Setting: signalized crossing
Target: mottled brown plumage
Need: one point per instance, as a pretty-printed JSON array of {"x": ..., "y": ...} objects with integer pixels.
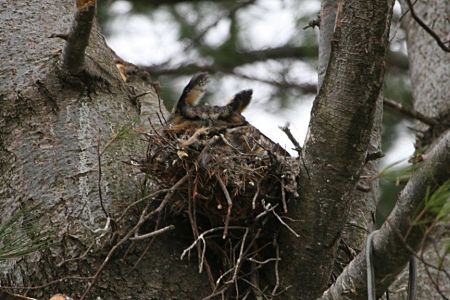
[{"x": 192, "y": 123}]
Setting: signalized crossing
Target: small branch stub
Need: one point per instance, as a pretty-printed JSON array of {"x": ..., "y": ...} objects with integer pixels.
[{"x": 78, "y": 37}]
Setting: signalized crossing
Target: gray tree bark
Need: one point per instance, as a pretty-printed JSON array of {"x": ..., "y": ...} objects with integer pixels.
[
  {"x": 365, "y": 195},
  {"x": 430, "y": 81},
  {"x": 341, "y": 124},
  {"x": 51, "y": 127}
]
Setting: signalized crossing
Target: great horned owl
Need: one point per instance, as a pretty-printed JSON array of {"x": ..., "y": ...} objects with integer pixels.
[{"x": 193, "y": 122}]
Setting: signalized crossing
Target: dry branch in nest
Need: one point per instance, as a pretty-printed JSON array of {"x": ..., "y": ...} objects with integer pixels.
[{"x": 239, "y": 184}]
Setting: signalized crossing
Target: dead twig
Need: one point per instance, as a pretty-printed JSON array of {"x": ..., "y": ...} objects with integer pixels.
[
  {"x": 78, "y": 37},
  {"x": 239, "y": 260},
  {"x": 411, "y": 114},
  {"x": 283, "y": 196},
  {"x": 143, "y": 218},
  {"x": 201, "y": 237},
  {"x": 285, "y": 224},
  {"x": 153, "y": 233},
  {"x": 230, "y": 205},
  {"x": 277, "y": 275},
  {"x": 256, "y": 195},
  {"x": 291, "y": 137}
]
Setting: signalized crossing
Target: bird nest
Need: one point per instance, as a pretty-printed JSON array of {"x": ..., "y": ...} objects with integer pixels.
[{"x": 233, "y": 186}]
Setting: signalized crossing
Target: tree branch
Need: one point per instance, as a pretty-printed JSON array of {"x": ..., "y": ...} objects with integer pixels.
[
  {"x": 78, "y": 37},
  {"x": 430, "y": 31},
  {"x": 390, "y": 252},
  {"x": 236, "y": 59},
  {"x": 339, "y": 134},
  {"x": 156, "y": 3},
  {"x": 409, "y": 113}
]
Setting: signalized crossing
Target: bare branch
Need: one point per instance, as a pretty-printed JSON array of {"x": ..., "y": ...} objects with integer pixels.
[
  {"x": 243, "y": 57},
  {"x": 409, "y": 113},
  {"x": 391, "y": 244},
  {"x": 78, "y": 37},
  {"x": 427, "y": 28},
  {"x": 152, "y": 234}
]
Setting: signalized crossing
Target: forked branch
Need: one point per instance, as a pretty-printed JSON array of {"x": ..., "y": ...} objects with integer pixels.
[{"x": 393, "y": 243}]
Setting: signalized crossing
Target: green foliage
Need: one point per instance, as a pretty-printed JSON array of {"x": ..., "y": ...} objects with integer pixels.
[
  {"x": 20, "y": 235},
  {"x": 392, "y": 179},
  {"x": 438, "y": 202},
  {"x": 397, "y": 174}
]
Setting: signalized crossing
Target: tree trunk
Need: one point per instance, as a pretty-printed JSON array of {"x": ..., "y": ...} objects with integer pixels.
[
  {"x": 51, "y": 128},
  {"x": 430, "y": 81}
]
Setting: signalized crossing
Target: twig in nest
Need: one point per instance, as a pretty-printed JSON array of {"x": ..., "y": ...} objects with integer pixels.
[
  {"x": 142, "y": 219},
  {"x": 277, "y": 275},
  {"x": 239, "y": 260},
  {"x": 157, "y": 88},
  {"x": 153, "y": 233},
  {"x": 256, "y": 195},
  {"x": 285, "y": 224},
  {"x": 223, "y": 275},
  {"x": 267, "y": 209},
  {"x": 230, "y": 205},
  {"x": 193, "y": 222},
  {"x": 194, "y": 138},
  {"x": 263, "y": 262},
  {"x": 141, "y": 200},
  {"x": 283, "y": 196},
  {"x": 229, "y": 144},
  {"x": 291, "y": 137},
  {"x": 201, "y": 237},
  {"x": 169, "y": 195}
]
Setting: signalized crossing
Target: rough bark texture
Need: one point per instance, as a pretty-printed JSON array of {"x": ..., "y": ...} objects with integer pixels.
[
  {"x": 430, "y": 81},
  {"x": 365, "y": 196},
  {"x": 48, "y": 154},
  {"x": 390, "y": 253},
  {"x": 336, "y": 148}
]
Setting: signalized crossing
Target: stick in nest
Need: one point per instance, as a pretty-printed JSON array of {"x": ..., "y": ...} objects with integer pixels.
[{"x": 230, "y": 205}]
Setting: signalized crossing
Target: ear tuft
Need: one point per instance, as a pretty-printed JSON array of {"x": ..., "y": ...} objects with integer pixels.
[
  {"x": 241, "y": 100},
  {"x": 194, "y": 90}
]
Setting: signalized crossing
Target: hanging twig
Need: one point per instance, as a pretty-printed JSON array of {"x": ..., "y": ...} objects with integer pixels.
[
  {"x": 143, "y": 218},
  {"x": 230, "y": 205},
  {"x": 277, "y": 275},
  {"x": 283, "y": 196},
  {"x": 239, "y": 260}
]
